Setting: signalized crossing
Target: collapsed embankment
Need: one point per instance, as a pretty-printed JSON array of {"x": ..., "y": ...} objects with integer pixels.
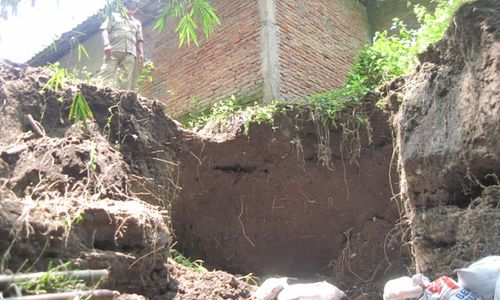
[
  {"x": 294, "y": 198},
  {"x": 291, "y": 198}
]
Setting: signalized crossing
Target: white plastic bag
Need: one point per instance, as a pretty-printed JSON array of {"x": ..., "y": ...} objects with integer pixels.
[
  {"x": 311, "y": 291},
  {"x": 497, "y": 289},
  {"x": 445, "y": 288},
  {"x": 270, "y": 288},
  {"x": 481, "y": 276},
  {"x": 403, "y": 288}
]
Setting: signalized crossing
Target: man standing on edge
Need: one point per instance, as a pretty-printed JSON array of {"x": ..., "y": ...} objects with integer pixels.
[{"x": 123, "y": 43}]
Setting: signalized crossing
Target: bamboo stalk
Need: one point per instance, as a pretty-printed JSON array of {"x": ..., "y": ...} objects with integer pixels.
[
  {"x": 94, "y": 295},
  {"x": 89, "y": 276}
]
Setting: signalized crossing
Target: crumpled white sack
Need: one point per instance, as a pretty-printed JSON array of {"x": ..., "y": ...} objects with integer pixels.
[
  {"x": 270, "y": 288},
  {"x": 497, "y": 289},
  {"x": 311, "y": 291},
  {"x": 403, "y": 288},
  {"x": 481, "y": 276}
]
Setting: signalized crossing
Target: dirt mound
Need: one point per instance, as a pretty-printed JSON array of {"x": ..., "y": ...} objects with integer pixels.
[
  {"x": 448, "y": 131},
  {"x": 188, "y": 284},
  {"x": 95, "y": 196}
]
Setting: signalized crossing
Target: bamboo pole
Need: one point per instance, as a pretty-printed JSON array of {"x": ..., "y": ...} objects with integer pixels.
[
  {"x": 94, "y": 295},
  {"x": 89, "y": 276}
]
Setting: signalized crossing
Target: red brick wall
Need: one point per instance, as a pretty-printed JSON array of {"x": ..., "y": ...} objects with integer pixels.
[
  {"x": 225, "y": 64},
  {"x": 319, "y": 41}
]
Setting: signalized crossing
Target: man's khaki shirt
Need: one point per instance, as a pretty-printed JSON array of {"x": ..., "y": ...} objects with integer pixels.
[{"x": 124, "y": 33}]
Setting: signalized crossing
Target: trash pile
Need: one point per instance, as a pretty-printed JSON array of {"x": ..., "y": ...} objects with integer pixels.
[{"x": 479, "y": 281}]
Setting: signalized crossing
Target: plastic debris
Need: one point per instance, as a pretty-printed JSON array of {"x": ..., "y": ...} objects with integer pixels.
[
  {"x": 405, "y": 287},
  {"x": 481, "y": 276},
  {"x": 270, "y": 288},
  {"x": 497, "y": 289},
  {"x": 445, "y": 288},
  {"x": 311, "y": 291}
]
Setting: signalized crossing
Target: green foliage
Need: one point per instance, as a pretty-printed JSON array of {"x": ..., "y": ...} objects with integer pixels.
[
  {"x": 196, "y": 265},
  {"x": 434, "y": 25},
  {"x": 58, "y": 79},
  {"x": 82, "y": 51},
  {"x": 92, "y": 164},
  {"x": 384, "y": 60},
  {"x": 50, "y": 282},
  {"x": 250, "y": 279},
  {"x": 145, "y": 77},
  {"x": 387, "y": 58},
  {"x": 225, "y": 112},
  {"x": 192, "y": 15},
  {"x": 80, "y": 110}
]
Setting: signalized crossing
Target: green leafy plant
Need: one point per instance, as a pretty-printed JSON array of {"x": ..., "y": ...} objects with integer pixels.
[
  {"x": 92, "y": 164},
  {"x": 196, "y": 265},
  {"x": 250, "y": 279},
  {"x": 226, "y": 111},
  {"x": 58, "y": 79},
  {"x": 145, "y": 77},
  {"x": 192, "y": 14},
  {"x": 82, "y": 51},
  {"x": 80, "y": 110}
]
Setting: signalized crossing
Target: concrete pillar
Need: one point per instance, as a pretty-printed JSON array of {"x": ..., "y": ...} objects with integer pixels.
[{"x": 269, "y": 50}]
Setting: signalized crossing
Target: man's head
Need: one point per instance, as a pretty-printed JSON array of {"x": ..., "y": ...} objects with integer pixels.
[{"x": 130, "y": 5}]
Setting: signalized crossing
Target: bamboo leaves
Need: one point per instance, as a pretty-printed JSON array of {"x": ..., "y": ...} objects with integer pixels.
[
  {"x": 80, "y": 110},
  {"x": 82, "y": 51},
  {"x": 193, "y": 14},
  {"x": 57, "y": 81}
]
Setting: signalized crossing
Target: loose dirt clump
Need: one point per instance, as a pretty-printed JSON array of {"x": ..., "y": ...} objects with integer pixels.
[{"x": 189, "y": 284}]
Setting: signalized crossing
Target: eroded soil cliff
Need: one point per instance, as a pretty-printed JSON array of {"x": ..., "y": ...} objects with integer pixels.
[{"x": 448, "y": 131}]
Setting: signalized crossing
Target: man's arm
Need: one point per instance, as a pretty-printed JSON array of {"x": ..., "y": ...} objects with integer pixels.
[
  {"x": 140, "y": 44},
  {"x": 107, "y": 45},
  {"x": 140, "y": 51}
]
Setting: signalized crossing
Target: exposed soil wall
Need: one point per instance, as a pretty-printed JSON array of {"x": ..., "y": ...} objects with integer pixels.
[
  {"x": 448, "y": 129},
  {"x": 267, "y": 204}
]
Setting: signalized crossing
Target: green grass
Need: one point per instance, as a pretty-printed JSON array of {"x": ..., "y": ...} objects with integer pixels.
[
  {"x": 196, "y": 265},
  {"x": 50, "y": 282}
]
